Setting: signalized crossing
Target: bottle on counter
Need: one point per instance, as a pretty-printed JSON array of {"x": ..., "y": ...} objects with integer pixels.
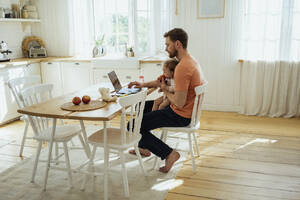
[{"x": 141, "y": 79}]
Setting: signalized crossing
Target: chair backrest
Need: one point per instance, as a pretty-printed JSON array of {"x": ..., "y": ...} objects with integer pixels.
[
  {"x": 16, "y": 85},
  {"x": 34, "y": 95},
  {"x": 197, "y": 108},
  {"x": 135, "y": 103}
]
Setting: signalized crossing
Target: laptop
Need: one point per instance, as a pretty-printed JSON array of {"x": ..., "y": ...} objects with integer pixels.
[{"x": 117, "y": 85}]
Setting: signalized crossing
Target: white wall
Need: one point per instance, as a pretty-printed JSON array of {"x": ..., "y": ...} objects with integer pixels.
[
  {"x": 213, "y": 42},
  {"x": 54, "y": 28},
  {"x": 12, "y": 32}
]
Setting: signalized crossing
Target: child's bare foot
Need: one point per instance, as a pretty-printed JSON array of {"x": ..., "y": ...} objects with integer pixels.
[
  {"x": 143, "y": 152},
  {"x": 170, "y": 160}
]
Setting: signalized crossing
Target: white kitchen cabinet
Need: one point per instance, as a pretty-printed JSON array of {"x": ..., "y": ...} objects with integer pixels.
[
  {"x": 151, "y": 71},
  {"x": 128, "y": 75},
  {"x": 76, "y": 76},
  {"x": 100, "y": 75},
  {"x": 51, "y": 73},
  {"x": 8, "y": 105},
  {"x": 32, "y": 69}
]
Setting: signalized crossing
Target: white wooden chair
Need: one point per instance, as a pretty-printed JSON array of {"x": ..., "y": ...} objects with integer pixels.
[
  {"x": 43, "y": 131},
  {"x": 16, "y": 86},
  {"x": 121, "y": 139},
  {"x": 191, "y": 128}
]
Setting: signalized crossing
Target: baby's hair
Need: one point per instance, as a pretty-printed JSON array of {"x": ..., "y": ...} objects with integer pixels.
[{"x": 171, "y": 64}]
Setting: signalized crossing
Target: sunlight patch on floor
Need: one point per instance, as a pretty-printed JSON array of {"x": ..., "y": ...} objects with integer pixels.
[
  {"x": 167, "y": 185},
  {"x": 257, "y": 140}
]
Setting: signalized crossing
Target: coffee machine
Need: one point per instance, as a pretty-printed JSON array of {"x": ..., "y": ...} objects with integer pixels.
[{"x": 4, "y": 52}]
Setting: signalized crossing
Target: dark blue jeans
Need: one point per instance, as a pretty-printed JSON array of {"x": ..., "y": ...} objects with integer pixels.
[{"x": 157, "y": 119}]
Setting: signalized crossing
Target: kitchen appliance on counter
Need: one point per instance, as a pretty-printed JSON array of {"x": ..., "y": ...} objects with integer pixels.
[
  {"x": 33, "y": 47},
  {"x": 37, "y": 52},
  {"x": 4, "y": 52}
]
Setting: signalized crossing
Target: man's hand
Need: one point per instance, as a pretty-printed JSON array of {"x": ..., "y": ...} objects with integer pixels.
[
  {"x": 161, "y": 77},
  {"x": 163, "y": 85},
  {"x": 136, "y": 84}
]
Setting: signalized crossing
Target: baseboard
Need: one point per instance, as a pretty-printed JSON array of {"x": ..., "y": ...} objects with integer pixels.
[{"x": 224, "y": 108}]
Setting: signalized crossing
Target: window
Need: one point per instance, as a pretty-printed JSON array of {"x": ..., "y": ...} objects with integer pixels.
[
  {"x": 270, "y": 31},
  {"x": 131, "y": 23}
]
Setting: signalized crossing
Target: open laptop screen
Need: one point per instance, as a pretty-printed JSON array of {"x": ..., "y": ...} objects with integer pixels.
[
  {"x": 117, "y": 85},
  {"x": 114, "y": 80}
]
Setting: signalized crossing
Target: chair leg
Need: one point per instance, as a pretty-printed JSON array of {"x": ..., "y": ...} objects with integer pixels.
[
  {"x": 106, "y": 160},
  {"x": 90, "y": 165},
  {"x": 156, "y": 158},
  {"x": 124, "y": 174},
  {"x": 38, "y": 151},
  {"x": 140, "y": 159},
  {"x": 192, "y": 153},
  {"x": 24, "y": 137},
  {"x": 83, "y": 145},
  {"x": 56, "y": 153},
  {"x": 68, "y": 163},
  {"x": 196, "y": 144}
]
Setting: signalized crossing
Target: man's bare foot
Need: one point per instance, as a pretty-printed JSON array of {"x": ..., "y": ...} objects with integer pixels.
[
  {"x": 143, "y": 152},
  {"x": 170, "y": 160}
]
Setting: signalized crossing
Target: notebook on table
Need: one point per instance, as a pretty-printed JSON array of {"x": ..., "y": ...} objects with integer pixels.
[{"x": 117, "y": 85}]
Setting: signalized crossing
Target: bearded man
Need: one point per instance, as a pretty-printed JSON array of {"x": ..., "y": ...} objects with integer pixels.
[{"x": 187, "y": 76}]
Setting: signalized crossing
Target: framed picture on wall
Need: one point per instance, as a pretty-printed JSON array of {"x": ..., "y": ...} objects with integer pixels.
[{"x": 210, "y": 9}]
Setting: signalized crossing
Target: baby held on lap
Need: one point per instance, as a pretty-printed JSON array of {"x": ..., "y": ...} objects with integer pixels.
[{"x": 168, "y": 74}]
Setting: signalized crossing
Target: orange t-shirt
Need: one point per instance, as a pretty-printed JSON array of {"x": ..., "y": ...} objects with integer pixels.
[{"x": 187, "y": 76}]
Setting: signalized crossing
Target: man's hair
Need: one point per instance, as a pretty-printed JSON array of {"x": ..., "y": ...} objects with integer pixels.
[
  {"x": 171, "y": 64},
  {"x": 178, "y": 34}
]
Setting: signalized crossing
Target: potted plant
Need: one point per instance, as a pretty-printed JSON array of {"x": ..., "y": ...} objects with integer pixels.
[{"x": 99, "y": 49}]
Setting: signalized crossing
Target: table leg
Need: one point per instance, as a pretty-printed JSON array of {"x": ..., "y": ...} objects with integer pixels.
[
  {"x": 50, "y": 151},
  {"x": 106, "y": 152},
  {"x": 85, "y": 138}
]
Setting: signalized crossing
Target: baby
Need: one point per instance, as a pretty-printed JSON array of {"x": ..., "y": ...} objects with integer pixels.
[{"x": 168, "y": 74}]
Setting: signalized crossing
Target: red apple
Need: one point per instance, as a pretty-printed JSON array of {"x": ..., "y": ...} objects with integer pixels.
[
  {"x": 76, "y": 100},
  {"x": 86, "y": 99}
]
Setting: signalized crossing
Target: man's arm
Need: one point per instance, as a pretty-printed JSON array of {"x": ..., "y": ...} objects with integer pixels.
[
  {"x": 149, "y": 84},
  {"x": 178, "y": 98}
]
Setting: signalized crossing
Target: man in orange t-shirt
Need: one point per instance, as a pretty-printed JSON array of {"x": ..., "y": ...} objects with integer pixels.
[{"x": 187, "y": 76}]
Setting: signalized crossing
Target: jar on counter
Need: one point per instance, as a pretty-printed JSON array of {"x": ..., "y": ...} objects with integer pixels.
[{"x": 24, "y": 14}]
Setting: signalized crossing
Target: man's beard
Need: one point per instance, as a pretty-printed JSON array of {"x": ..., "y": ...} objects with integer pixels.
[{"x": 173, "y": 54}]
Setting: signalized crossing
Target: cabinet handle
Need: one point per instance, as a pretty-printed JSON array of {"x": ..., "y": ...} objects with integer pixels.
[
  {"x": 128, "y": 77},
  {"x": 49, "y": 63},
  {"x": 158, "y": 65},
  {"x": 77, "y": 64},
  {"x": 104, "y": 76}
]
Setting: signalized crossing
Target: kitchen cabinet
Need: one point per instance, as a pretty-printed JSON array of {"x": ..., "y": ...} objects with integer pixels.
[
  {"x": 125, "y": 75},
  {"x": 8, "y": 105},
  {"x": 51, "y": 73},
  {"x": 32, "y": 69},
  {"x": 76, "y": 76},
  {"x": 151, "y": 71}
]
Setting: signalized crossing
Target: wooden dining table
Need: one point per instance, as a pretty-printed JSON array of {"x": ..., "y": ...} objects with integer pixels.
[{"x": 51, "y": 109}]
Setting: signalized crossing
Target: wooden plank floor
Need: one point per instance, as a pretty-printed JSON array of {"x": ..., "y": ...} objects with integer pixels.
[{"x": 242, "y": 157}]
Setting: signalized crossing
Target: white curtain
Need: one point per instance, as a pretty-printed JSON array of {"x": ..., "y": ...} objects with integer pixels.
[
  {"x": 81, "y": 28},
  {"x": 270, "y": 48},
  {"x": 270, "y": 88}
]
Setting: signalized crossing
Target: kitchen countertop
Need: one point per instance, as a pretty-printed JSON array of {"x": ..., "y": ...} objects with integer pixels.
[{"x": 26, "y": 61}]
